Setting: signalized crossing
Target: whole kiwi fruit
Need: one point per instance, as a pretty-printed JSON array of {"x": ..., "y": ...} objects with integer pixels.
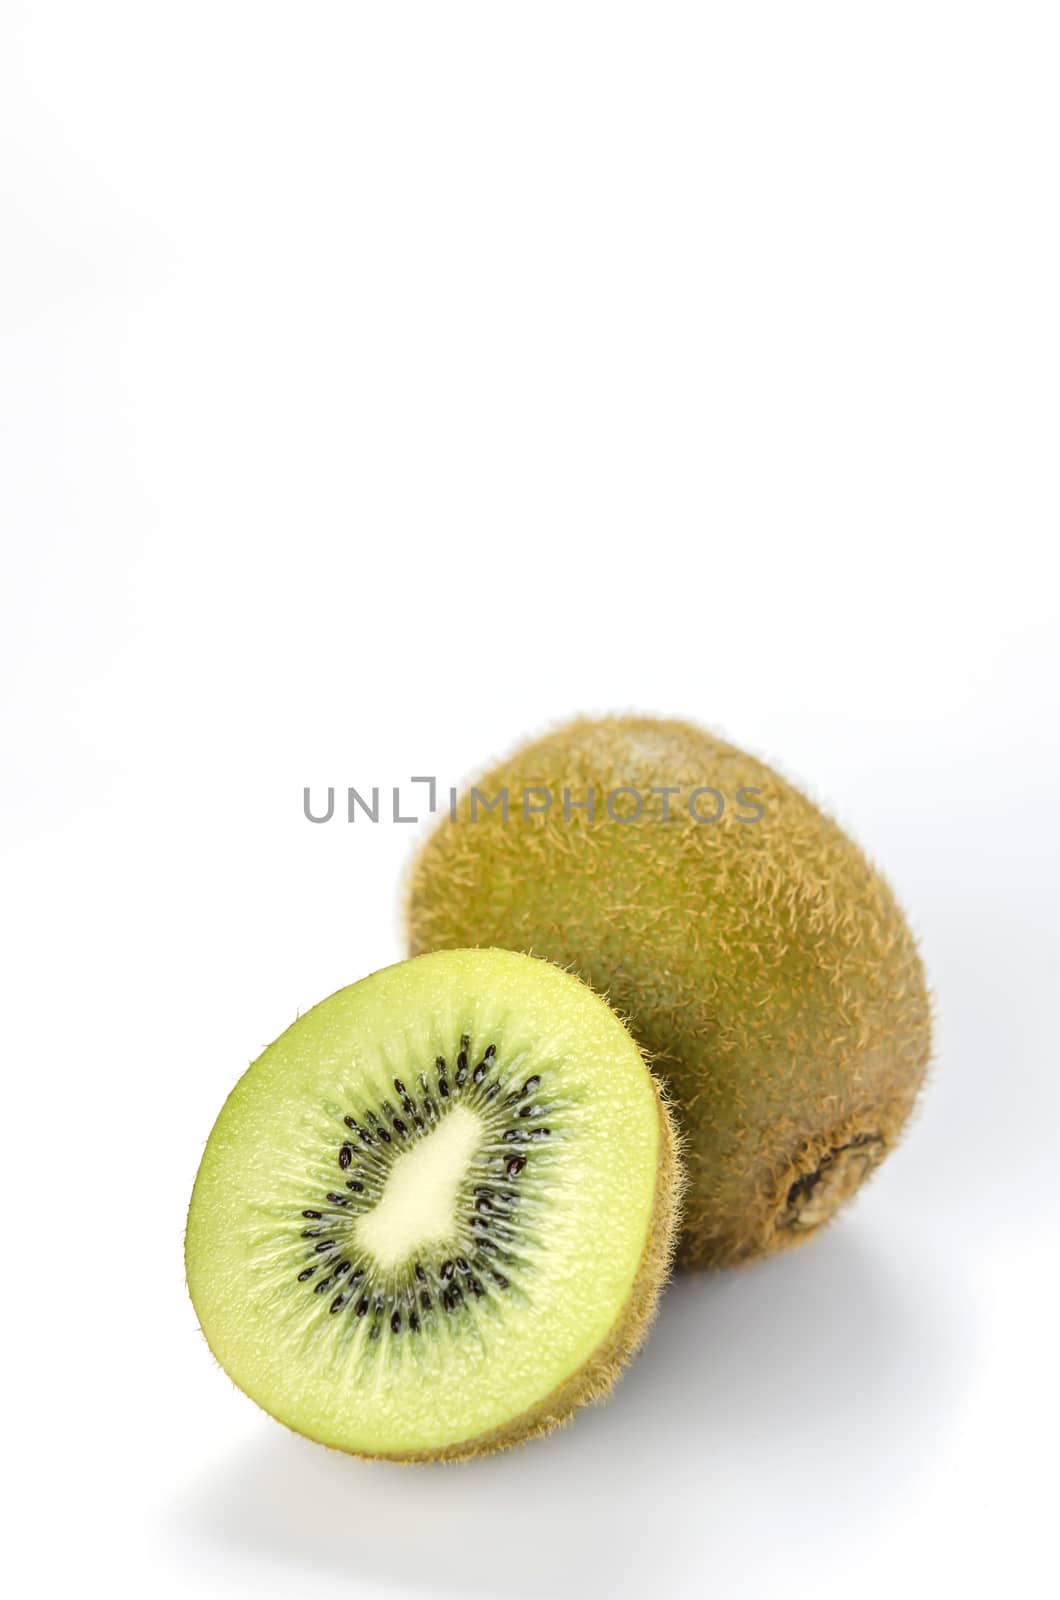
[{"x": 761, "y": 961}]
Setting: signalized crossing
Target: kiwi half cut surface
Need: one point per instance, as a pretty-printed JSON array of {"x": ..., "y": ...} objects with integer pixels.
[{"x": 434, "y": 1216}]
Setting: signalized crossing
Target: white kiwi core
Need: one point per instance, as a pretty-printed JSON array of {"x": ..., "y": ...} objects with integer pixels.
[{"x": 418, "y": 1205}]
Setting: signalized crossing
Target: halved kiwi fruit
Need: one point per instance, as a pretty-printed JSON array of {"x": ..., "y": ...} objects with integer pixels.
[
  {"x": 762, "y": 962},
  {"x": 435, "y": 1215}
]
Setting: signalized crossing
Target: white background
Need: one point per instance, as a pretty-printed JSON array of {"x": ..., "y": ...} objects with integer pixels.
[{"x": 379, "y": 384}]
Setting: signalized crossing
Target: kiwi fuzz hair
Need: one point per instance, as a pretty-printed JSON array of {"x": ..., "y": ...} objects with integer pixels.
[{"x": 763, "y": 966}]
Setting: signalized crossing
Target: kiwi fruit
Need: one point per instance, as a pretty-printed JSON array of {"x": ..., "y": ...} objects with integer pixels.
[
  {"x": 761, "y": 961},
  {"x": 434, "y": 1216}
]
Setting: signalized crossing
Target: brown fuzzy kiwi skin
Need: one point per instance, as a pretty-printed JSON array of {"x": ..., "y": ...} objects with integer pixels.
[{"x": 764, "y": 966}]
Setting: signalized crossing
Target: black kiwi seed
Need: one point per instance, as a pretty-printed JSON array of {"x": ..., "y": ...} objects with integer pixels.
[
  {"x": 414, "y": 1322},
  {"x": 463, "y": 1264},
  {"x": 483, "y": 1205},
  {"x": 325, "y": 1244},
  {"x": 336, "y": 1200},
  {"x": 337, "y": 1304},
  {"x": 358, "y": 1188},
  {"x": 351, "y": 1122},
  {"x": 323, "y": 1286},
  {"x": 445, "y": 1271},
  {"x": 395, "y": 1322},
  {"x": 475, "y": 1287},
  {"x": 531, "y": 1084},
  {"x": 479, "y": 1073},
  {"x": 421, "y": 1275},
  {"x": 362, "y": 1308},
  {"x": 539, "y": 1133},
  {"x": 312, "y": 1233},
  {"x": 307, "y": 1272},
  {"x": 499, "y": 1279},
  {"x": 515, "y": 1166},
  {"x": 315, "y": 1214},
  {"x": 400, "y": 1087},
  {"x": 346, "y": 1156},
  {"x": 399, "y": 1127}
]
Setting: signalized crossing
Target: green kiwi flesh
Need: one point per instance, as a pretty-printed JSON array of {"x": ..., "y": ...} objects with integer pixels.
[{"x": 434, "y": 1216}]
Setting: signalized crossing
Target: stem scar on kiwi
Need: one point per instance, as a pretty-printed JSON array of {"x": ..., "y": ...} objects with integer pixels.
[
  {"x": 762, "y": 963},
  {"x": 434, "y": 1217}
]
